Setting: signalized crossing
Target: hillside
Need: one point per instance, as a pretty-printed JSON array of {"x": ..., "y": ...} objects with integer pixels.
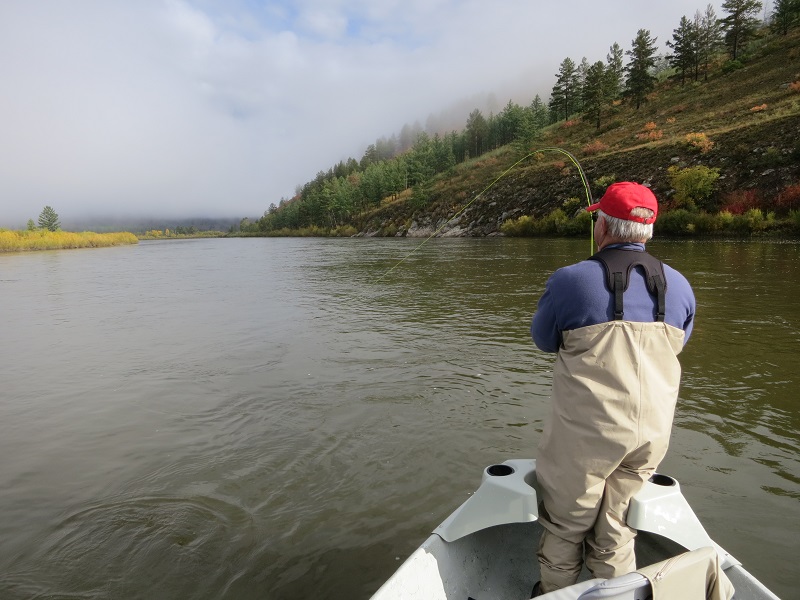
[{"x": 751, "y": 116}]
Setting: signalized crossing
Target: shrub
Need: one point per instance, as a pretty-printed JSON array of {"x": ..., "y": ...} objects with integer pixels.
[
  {"x": 739, "y": 202},
  {"x": 521, "y": 227},
  {"x": 750, "y": 222},
  {"x": 555, "y": 223},
  {"x": 699, "y": 141},
  {"x": 344, "y": 231},
  {"x": 572, "y": 206},
  {"x": 732, "y": 65},
  {"x": 704, "y": 222},
  {"x": 759, "y": 108},
  {"x": 674, "y": 222},
  {"x": 795, "y": 86},
  {"x": 694, "y": 186},
  {"x": 604, "y": 181},
  {"x": 651, "y": 132},
  {"x": 788, "y": 199},
  {"x": 794, "y": 218},
  {"x": 594, "y": 147},
  {"x": 570, "y": 123}
]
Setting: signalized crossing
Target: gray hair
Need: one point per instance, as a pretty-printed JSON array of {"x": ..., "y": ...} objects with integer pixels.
[{"x": 630, "y": 231}]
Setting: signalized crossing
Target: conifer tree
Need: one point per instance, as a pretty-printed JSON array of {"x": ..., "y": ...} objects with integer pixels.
[
  {"x": 684, "y": 44},
  {"x": 708, "y": 38},
  {"x": 594, "y": 92},
  {"x": 785, "y": 15},
  {"x": 48, "y": 219},
  {"x": 615, "y": 70},
  {"x": 564, "y": 92},
  {"x": 639, "y": 82},
  {"x": 740, "y": 24}
]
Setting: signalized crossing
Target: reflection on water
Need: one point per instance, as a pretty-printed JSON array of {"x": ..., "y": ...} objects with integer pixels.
[{"x": 290, "y": 418}]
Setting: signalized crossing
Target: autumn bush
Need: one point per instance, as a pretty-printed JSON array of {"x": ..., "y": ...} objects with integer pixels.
[
  {"x": 788, "y": 199},
  {"x": 739, "y": 202},
  {"x": 650, "y": 133},
  {"x": 699, "y": 141},
  {"x": 594, "y": 147}
]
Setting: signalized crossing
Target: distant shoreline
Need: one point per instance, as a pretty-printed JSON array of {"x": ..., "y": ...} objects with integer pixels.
[{"x": 43, "y": 239}]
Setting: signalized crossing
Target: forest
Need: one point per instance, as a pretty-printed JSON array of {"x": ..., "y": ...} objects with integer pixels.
[{"x": 695, "y": 124}]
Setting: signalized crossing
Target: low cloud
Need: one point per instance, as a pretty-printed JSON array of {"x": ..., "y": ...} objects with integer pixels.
[{"x": 176, "y": 108}]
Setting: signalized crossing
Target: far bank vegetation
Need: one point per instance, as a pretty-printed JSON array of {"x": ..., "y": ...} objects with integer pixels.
[
  {"x": 44, "y": 239},
  {"x": 712, "y": 127}
]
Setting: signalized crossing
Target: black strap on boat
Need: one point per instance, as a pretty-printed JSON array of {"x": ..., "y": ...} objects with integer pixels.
[{"x": 619, "y": 263}]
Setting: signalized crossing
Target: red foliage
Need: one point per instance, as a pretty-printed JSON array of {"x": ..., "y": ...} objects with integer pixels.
[
  {"x": 788, "y": 199},
  {"x": 740, "y": 201}
]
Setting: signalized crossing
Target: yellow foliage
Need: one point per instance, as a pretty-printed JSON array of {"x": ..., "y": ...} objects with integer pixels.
[
  {"x": 699, "y": 141},
  {"x": 42, "y": 239},
  {"x": 651, "y": 132}
]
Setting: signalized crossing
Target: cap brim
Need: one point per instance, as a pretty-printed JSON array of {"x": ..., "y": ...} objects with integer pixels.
[{"x": 593, "y": 207}]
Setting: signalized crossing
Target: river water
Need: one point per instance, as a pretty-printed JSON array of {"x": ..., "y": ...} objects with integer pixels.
[{"x": 290, "y": 418}]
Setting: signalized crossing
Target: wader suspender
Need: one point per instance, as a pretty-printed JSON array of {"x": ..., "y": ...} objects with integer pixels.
[{"x": 618, "y": 264}]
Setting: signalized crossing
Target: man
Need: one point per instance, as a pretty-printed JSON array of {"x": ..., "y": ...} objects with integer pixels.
[{"x": 617, "y": 322}]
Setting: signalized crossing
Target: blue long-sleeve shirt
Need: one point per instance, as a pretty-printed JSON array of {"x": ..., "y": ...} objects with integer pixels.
[{"x": 577, "y": 296}]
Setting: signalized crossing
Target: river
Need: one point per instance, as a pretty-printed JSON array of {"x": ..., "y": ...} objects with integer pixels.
[{"x": 290, "y": 418}]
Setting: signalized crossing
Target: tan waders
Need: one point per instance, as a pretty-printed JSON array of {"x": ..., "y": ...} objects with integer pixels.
[{"x": 615, "y": 386}]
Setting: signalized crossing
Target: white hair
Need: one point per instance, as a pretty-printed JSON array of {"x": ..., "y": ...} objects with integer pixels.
[{"x": 630, "y": 231}]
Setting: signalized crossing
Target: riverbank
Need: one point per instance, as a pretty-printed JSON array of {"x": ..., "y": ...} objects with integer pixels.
[{"x": 42, "y": 239}]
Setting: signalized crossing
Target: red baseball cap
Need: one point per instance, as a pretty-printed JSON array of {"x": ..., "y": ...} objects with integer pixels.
[{"x": 621, "y": 198}]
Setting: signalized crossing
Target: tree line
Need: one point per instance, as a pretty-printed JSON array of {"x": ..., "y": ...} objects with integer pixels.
[{"x": 395, "y": 165}]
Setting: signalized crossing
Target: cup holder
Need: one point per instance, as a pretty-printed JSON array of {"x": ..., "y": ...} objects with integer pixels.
[
  {"x": 662, "y": 480},
  {"x": 499, "y": 470}
]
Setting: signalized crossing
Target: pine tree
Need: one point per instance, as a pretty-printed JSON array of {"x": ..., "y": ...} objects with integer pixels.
[
  {"x": 740, "y": 24},
  {"x": 785, "y": 15},
  {"x": 48, "y": 219},
  {"x": 684, "y": 43},
  {"x": 594, "y": 92},
  {"x": 614, "y": 70},
  {"x": 709, "y": 38},
  {"x": 563, "y": 96},
  {"x": 639, "y": 82},
  {"x": 580, "y": 82}
]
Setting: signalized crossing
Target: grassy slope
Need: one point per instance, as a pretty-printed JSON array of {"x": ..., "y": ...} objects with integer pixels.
[{"x": 753, "y": 149}]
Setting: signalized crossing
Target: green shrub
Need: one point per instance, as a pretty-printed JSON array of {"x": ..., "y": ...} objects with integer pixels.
[
  {"x": 521, "y": 227},
  {"x": 794, "y": 219},
  {"x": 694, "y": 186},
  {"x": 732, "y": 65},
  {"x": 674, "y": 222}
]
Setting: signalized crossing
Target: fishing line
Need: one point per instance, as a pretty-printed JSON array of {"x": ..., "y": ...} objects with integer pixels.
[{"x": 574, "y": 160}]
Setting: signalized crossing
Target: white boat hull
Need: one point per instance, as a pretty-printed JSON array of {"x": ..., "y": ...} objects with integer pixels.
[{"x": 486, "y": 549}]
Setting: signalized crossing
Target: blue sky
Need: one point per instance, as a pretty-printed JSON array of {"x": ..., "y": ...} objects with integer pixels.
[{"x": 208, "y": 107}]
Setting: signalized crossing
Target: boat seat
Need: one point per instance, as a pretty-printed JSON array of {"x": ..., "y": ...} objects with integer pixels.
[
  {"x": 691, "y": 575},
  {"x": 631, "y": 586}
]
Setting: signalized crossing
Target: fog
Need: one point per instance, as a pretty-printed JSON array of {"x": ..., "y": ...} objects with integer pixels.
[{"x": 180, "y": 108}]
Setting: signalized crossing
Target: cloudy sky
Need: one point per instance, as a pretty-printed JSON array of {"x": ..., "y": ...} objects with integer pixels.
[{"x": 220, "y": 107}]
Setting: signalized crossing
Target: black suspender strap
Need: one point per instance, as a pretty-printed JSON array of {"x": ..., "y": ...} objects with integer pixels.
[
  {"x": 619, "y": 288},
  {"x": 661, "y": 288},
  {"x": 618, "y": 264}
]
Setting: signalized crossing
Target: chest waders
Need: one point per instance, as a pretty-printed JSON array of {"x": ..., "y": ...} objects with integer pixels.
[{"x": 615, "y": 385}]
